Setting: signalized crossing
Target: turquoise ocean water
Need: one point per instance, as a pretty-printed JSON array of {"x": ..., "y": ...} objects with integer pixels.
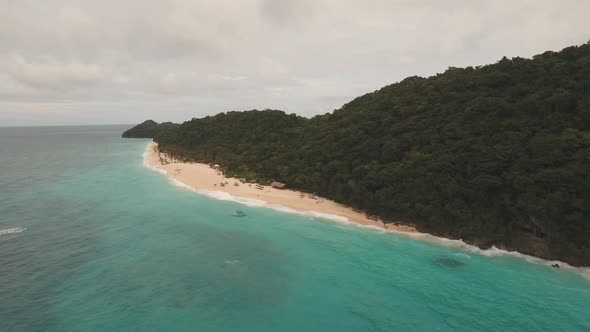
[{"x": 92, "y": 240}]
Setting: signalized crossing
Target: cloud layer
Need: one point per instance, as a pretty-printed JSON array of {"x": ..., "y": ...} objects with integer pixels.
[{"x": 79, "y": 62}]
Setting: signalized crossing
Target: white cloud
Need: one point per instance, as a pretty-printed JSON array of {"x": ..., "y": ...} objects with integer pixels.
[
  {"x": 177, "y": 59},
  {"x": 51, "y": 74}
]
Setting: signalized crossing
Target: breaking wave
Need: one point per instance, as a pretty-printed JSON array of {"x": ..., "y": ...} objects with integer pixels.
[{"x": 12, "y": 230}]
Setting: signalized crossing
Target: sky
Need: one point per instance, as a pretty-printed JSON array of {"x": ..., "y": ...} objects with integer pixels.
[{"x": 114, "y": 62}]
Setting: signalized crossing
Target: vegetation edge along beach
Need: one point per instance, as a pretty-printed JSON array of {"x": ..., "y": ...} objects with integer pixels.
[{"x": 496, "y": 155}]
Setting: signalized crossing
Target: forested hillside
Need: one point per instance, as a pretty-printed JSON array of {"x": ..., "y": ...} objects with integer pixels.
[
  {"x": 498, "y": 154},
  {"x": 147, "y": 129}
]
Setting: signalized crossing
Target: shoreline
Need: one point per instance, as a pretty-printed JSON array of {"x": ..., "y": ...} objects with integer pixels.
[{"x": 203, "y": 179}]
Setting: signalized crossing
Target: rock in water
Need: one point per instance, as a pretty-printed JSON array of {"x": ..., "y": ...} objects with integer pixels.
[{"x": 449, "y": 262}]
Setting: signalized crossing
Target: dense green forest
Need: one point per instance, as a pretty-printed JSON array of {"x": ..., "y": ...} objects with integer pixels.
[
  {"x": 495, "y": 155},
  {"x": 147, "y": 129}
]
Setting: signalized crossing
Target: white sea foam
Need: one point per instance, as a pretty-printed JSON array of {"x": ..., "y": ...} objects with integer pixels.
[
  {"x": 181, "y": 184},
  {"x": 457, "y": 244},
  {"x": 224, "y": 196},
  {"x": 460, "y": 254},
  {"x": 282, "y": 208},
  {"x": 12, "y": 230},
  {"x": 328, "y": 216},
  {"x": 146, "y": 162}
]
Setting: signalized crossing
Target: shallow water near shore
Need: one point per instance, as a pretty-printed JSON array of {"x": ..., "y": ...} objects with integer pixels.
[{"x": 92, "y": 240}]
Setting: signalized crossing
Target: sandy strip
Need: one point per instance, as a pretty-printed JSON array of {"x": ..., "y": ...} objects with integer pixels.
[{"x": 204, "y": 177}]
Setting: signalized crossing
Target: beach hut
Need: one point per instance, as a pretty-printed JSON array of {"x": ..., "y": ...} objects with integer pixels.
[{"x": 278, "y": 185}]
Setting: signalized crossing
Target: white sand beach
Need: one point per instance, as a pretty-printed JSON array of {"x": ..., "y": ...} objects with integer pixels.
[{"x": 204, "y": 177}]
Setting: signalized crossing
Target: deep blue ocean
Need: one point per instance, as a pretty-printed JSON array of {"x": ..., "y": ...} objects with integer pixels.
[{"x": 92, "y": 240}]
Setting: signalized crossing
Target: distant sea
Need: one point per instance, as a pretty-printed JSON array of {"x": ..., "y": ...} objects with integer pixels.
[{"x": 92, "y": 240}]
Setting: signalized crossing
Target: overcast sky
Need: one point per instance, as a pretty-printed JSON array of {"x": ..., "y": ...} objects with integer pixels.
[{"x": 98, "y": 62}]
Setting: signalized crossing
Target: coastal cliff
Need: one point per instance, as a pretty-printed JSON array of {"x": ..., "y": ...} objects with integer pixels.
[{"x": 494, "y": 155}]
